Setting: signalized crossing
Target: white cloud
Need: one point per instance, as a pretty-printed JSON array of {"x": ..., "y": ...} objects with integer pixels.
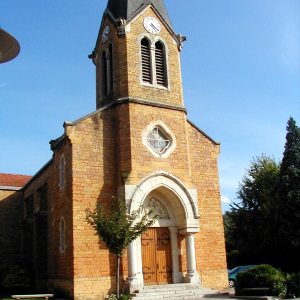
[{"x": 225, "y": 199}]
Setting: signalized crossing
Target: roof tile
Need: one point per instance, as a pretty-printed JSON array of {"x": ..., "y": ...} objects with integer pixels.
[{"x": 13, "y": 180}]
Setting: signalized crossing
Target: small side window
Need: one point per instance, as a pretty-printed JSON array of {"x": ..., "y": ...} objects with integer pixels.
[
  {"x": 62, "y": 171},
  {"x": 62, "y": 229}
]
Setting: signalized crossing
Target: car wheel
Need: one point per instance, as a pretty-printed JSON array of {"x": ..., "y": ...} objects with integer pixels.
[{"x": 231, "y": 283}]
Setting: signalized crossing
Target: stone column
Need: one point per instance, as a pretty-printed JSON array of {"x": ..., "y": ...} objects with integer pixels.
[
  {"x": 192, "y": 275},
  {"x": 177, "y": 276},
  {"x": 132, "y": 281}
]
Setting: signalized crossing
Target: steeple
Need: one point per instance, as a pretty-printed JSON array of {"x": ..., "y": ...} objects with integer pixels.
[
  {"x": 136, "y": 55},
  {"x": 125, "y": 9}
]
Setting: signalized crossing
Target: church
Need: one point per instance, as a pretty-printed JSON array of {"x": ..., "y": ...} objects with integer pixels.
[{"x": 137, "y": 143}]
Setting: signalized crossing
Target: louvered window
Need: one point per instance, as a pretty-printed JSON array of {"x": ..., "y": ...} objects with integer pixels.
[
  {"x": 146, "y": 61},
  {"x": 160, "y": 64}
]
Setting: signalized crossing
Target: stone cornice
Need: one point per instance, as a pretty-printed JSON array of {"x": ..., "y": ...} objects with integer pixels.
[{"x": 151, "y": 103}]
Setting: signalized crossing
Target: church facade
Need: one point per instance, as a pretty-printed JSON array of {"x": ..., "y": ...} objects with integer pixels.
[{"x": 137, "y": 143}]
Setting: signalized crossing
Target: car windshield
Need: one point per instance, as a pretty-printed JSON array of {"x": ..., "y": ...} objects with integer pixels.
[{"x": 234, "y": 270}]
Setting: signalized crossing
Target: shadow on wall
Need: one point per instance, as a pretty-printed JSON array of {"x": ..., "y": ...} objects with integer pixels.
[{"x": 10, "y": 226}]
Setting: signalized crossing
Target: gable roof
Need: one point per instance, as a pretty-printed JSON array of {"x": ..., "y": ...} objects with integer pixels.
[
  {"x": 125, "y": 9},
  {"x": 212, "y": 140},
  {"x": 13, "y": 180}
]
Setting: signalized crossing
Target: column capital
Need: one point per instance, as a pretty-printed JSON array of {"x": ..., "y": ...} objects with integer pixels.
[
  {"x": 173, "y": 229},
  {"x": 188, "y": 231}
]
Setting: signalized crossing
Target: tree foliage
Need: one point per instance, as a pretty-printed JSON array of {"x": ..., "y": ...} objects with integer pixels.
[
  {"x": 117, "y": 228},
  {"x": 264, "y": 223},
  {"x": 288, "y": 205},
  {"x": 250, "y": 220}
]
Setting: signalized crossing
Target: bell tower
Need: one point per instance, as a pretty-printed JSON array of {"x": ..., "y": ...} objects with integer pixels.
[{"x": 137, "y": 55}]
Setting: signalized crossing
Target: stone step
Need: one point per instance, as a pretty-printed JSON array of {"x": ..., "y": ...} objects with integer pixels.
[
  {"x": 171, "y": 292},
  {"x": 170, "y": 287}
]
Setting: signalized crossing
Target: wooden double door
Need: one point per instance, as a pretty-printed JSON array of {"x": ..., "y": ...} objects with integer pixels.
[{"x": 156, "y": 256}]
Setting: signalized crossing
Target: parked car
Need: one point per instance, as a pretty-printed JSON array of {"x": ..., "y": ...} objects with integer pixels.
[{"x": 233, "y": 273}]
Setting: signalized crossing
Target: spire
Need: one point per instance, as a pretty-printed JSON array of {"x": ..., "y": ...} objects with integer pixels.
[{"x": 126, "y": 8}]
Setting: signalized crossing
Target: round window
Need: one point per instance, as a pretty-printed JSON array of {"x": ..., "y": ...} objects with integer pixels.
[{"x": 158, "y": 140}]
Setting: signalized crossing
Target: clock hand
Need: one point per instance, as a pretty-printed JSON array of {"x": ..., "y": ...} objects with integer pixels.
[{"x": 154, "y": 27}]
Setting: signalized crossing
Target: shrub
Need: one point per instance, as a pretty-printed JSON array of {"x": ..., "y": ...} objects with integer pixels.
[
  {"x": 262, "y": 276},
  {"x": 293, "y": 285},
  {"x": 125, "y": 297},
  {"x": 16, "y": 277},
  {"x": 111, "y": 297}
]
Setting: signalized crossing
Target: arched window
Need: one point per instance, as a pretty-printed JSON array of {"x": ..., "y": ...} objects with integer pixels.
[
  {"x": 62, "y": 229},
  {"x": 146, "y": 60},
  {"x": 106, "y": 67},
  {"x": 62, "y": 164},
  {"x": 104, "y": 74},
  {"x": 160, "y": 64},
  {"x": 111, "y": 75}
]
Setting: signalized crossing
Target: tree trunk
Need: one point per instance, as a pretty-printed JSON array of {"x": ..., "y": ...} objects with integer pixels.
[{"x": 118, "y": 277}]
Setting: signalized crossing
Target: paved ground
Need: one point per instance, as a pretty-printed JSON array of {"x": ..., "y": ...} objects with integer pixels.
[{"x": 230, "y": 294}]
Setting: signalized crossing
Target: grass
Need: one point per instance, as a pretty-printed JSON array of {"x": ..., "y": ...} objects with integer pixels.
[{"x": 5, "y": 297}]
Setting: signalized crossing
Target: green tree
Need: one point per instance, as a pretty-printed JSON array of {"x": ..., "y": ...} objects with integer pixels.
[
  {"x": 288, "y": 206},
  {"x": 249, "y": 224},
  {"x": 118, "y": 228}
]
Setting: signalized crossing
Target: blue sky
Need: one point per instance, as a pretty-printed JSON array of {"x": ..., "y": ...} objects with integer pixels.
[{"x": 240, "y": 69}]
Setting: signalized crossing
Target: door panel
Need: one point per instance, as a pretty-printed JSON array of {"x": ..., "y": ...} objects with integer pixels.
[
  {"x": 148, "y": 254},
  {"x": 156, "y": 256}
]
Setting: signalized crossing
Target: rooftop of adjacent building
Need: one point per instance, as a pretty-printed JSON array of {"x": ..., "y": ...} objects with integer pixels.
[{"x": 13, "y": 180}]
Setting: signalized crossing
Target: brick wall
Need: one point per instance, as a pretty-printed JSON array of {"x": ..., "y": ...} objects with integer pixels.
[
  {"x": 94, "y": 180},
  {"x": 37, "y": 227},
  {"x": 209, "y": 242},
  {"x": 10, "y": 225}
]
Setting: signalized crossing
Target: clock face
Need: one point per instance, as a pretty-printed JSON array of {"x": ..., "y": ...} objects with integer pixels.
[
  {"x": 152, "y": 25},
  {"x": 105, "y": 34}
]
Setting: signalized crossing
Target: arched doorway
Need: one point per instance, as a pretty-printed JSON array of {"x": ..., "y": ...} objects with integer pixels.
[{"x": 178, "y": 210}]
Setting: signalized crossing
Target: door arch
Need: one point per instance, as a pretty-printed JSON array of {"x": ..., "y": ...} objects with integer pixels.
[
  {"x": 182, "y": 200},
  {"x": 182, "y": 206}
]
